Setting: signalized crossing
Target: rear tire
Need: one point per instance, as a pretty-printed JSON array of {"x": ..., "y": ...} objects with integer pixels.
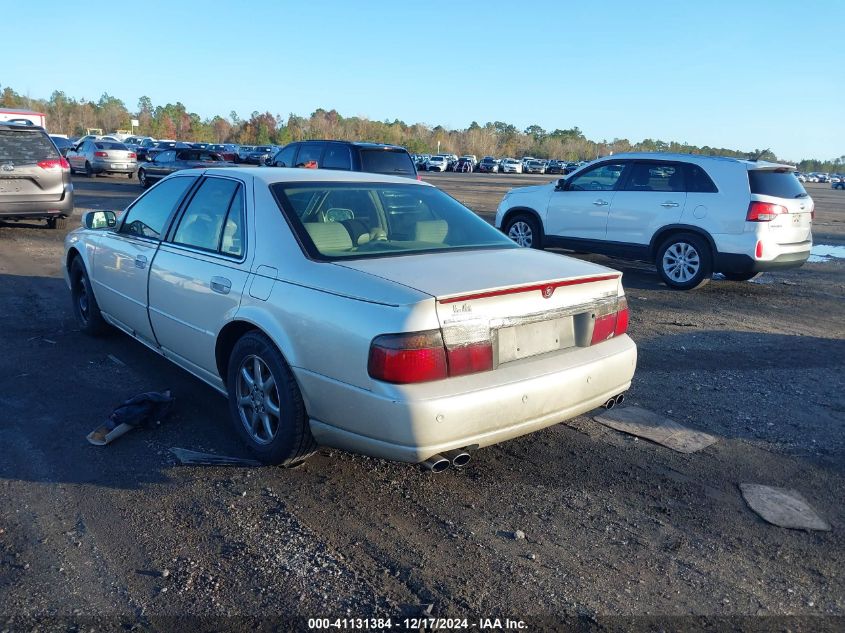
[
  {"x": 265, "y": 403},
  {"x": 142, "y": 178},
  {"x": 684, "y": 261},
  {"x": 85, "y": 307},
  {"x": 741, "y": 276},
  {"x": 525, "y": 231},
  {"x": 89, "y": 172},
  {"x": 57, "y": 223}
]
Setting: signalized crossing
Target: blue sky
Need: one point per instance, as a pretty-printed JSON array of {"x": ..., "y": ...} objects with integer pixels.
[{"x": 745, "y": 75}]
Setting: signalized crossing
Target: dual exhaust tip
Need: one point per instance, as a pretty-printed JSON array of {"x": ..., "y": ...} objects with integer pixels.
[
  {"x": 441, "y": 461},
  {"x": 612, "y": 402}
]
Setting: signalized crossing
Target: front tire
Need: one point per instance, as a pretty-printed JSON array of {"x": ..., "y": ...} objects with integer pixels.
[
  {"x": 265, "y": 403},
  {"x": 525, "y": 231},
  {"x": 684, "y": 262},
  {"x": 85, "y": 307}
]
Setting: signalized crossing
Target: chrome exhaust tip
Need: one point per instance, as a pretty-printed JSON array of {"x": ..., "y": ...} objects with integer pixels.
[
  {"x": 620, "y": 398},
  {"x": 611, "y": 402},
  {"x": 459, "y": 458},
  {"x": 436, "y": 463}
]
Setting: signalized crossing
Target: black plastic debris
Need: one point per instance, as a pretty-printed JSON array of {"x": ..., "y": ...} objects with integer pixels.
[
  {"x": 144, "y": 410},
  {"x": 195, "y": 458}
]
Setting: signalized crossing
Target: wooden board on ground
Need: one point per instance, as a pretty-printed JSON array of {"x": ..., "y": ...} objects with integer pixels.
[
  {"x": 655, "y": 427},
  {"x": 783, "y": 507}
]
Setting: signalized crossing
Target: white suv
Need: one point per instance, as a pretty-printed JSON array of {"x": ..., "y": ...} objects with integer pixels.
[{"x": 690, "y": 215}]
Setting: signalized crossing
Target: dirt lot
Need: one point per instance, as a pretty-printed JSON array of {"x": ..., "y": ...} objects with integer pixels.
[{"x": 615, "y": 528}]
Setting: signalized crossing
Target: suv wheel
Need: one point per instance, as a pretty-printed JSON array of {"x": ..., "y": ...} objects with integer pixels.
[
  {"x": 265, "y": 403},
  {"x": 524, "y": 230},
  {"x": 684, "y": 262}
]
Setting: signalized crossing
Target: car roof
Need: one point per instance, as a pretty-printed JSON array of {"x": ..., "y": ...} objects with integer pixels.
[
  {"x": 21, "y": 126},
  {"x": 294, "y": 174},
  {"x": 367, "y": 144},
  {"x": 697, "y": 158}
]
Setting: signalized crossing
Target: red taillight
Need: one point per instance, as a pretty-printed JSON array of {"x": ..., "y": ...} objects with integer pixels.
[
  {"x": 101, "y": 154},
  {"x": 764, "y": 211},
  {"x": 469, "y": 359},
  {"x": 54, "y": 163},
  {"x": 419, "y": 177},
  {"x": 611, "y": 324},
  {"x": 131, "y": 155},
  {"x": 758, "y": 251},
  {"x": 407, "y": 358}
]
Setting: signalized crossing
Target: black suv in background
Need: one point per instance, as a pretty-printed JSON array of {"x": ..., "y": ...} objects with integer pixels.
[
  {"x": 347, "y": 156},
  {"x": 34, "y": 176}
]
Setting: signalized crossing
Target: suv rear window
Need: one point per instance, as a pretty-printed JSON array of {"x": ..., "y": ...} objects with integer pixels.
[
  {"x": 780, "y": 183},
  {"x": 386, "y": 161},
  {"x": 25, "y": 146}
]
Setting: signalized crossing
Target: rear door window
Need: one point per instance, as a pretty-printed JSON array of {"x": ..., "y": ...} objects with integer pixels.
[
  {"x": 202, "y": 223},
  {"x": 25, "y": 147},
  {"x": 656, "y": 177},
  {"x": 381, "y": 161},
  {"x": 780, "y": 183},
  {"x": 337, "y": 156}
]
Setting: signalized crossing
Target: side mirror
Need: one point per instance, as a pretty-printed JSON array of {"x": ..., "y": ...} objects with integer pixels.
[
  {"x": 99, "y": 220},
  {"x": 561, "y": 184}
]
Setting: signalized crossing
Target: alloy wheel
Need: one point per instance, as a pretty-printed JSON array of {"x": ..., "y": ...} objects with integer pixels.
[
  {"x": 258, "y": 400},
  {"x": 521, "y": 233},
  {"x": 681, "y": 262}
]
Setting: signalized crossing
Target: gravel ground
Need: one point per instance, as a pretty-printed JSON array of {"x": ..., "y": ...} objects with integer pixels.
[{"x": 578, "y": 524}]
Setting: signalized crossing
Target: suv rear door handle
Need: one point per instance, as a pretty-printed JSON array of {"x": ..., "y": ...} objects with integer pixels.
[
  {"x": 669, "y": 204},
  {"x": 601, "y": 203},
  {"x": 140, "y": 261},
  {"x": 221, "y": 285}
]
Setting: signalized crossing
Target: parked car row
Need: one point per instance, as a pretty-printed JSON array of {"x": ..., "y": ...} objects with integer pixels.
[{"x": 492, "y": 165}]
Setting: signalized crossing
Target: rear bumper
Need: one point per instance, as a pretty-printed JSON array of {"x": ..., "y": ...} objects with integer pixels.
[
  {"x": 99, "y": 167},
  {"x": 480, "y": 409},
  {"x": 39, "y": 209},
  {"x": 731, "y": 262}
]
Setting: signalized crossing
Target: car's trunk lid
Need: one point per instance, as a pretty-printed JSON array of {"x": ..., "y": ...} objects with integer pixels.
[
  {"x": 528, "y": 302},
  {"x": 21, "y": 176},
  {"x": 779, "y": 185}
]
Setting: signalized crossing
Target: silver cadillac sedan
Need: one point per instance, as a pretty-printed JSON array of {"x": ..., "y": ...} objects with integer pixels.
[{"x": 360, "y": 311}]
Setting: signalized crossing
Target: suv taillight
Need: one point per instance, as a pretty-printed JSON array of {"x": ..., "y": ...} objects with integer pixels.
[
  {"x": 54, "y": 163},
  {"x": 614, "y": 322},
  {"x": 422, "y": 357},
  {"x": 764, "y": 211}
]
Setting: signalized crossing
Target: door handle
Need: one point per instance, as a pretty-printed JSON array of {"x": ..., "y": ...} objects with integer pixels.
[
  {"x": 601, "y": 203},
  {"x": 221, "y": 285},
  {"x": 669, "y": 205},
  {"x": 140, "y": 262}
]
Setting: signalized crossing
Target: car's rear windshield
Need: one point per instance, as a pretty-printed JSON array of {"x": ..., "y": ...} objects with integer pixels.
[
  {"x": 25, "y": 146},
  {"x": 387, "y": 161},
  {"x": 366, "y": 220},
  {"x": 108, "y": 145},
  {"x": 780, "y": 183}
]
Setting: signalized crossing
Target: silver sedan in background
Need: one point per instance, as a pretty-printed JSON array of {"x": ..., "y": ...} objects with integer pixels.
[{"x": 98, "y": 156}]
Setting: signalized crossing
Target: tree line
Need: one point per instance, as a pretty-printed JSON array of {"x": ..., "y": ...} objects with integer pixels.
[{"x": 71, "y": 116}]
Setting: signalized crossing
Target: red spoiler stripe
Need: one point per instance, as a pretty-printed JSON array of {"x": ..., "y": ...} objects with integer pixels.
[{"x": 540, "y": 287}]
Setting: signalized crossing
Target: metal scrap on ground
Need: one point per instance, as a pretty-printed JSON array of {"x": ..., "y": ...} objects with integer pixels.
[
  {"x": 783, "y": 507},
  {"x": 195, "y": 458},
  {"x": 655, "y": 427}
]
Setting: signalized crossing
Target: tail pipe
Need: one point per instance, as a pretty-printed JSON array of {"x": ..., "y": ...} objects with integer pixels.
[
  {"x": 436, "y": 463},
  {"x": 459, "y": 457},
  {"x": 613, "y": 401}
]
